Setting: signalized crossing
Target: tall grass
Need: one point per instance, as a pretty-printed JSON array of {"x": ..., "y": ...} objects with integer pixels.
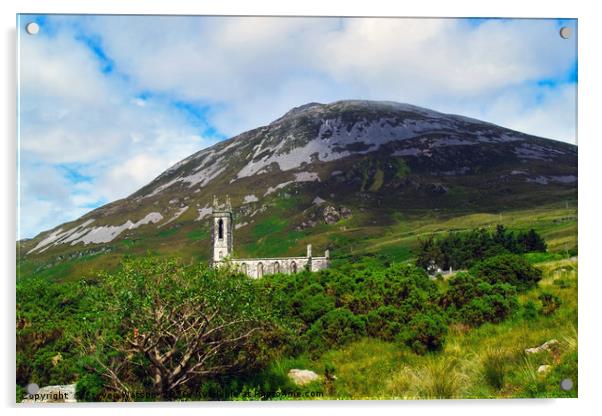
[
  {"x": 495, "y": 366},
  {"x": 434, "y": 378}
]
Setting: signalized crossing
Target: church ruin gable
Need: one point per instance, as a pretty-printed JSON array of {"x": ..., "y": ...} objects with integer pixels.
[{"x": 222, "y": 239}]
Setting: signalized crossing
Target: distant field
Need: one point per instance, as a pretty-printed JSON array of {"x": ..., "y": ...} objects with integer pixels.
[{"x": 273, "y": 236}]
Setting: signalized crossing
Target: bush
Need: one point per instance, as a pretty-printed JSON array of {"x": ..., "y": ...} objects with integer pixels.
[
  {"x": 372, "y": 299},
  {"x": 337, "y": 327},
  {"x": 496, "y": 304},
  {"x": 89, "y": 387},
  {"x": 508, "y": 268},
  {"x": 562, "y": 283},
  {"x": 216, "y": 315},
  {"x": 474, "y": 301},
  {"x": 462, "y": 249},
  {"x": 529, "y": 311},
  {"x": 550, "y": 303},
  {"x": 426, "y": 332},
  {"x": 311, "y": 303},
  {"x": 384, "y": 323}
]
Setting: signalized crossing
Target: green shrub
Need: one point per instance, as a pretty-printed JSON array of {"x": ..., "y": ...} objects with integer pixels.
[
  {"x": 529, "y": 310},
  {"x": 384, "y": 323},
  {"x": 562, "y": 283},
  {"x": 337, "y": 327},
  {"x": 89, "y": 387},
  {"x": 508, "y": 268},
  {"x": 495, "y": 306},
  {"x": 311, "y": 303},
  {"x": 473, "y": 301},
  {"x": 426, "y": 331},
  {"x": 550, "y": 303}
]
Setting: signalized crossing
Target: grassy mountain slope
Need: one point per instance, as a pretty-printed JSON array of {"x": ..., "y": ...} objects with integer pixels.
[{"x": 358, "y": 177}]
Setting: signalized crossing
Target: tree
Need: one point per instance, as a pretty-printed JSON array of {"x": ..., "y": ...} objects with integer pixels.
[
  {"x": 462, "y": 249},
  {"x": 166, "y": 324},
  {"x": 508, "y": 268}
]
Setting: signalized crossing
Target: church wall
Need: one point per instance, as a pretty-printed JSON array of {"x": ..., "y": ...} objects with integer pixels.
[
  {"x": 222, "y": 233},
  {"x": 257, "y": 268}
]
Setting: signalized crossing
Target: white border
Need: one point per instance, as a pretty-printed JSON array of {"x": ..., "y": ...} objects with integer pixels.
[{"x": 590, "y": 351}]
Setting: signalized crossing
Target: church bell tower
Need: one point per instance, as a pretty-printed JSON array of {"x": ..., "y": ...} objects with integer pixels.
[{"x": 221, "y": 233}]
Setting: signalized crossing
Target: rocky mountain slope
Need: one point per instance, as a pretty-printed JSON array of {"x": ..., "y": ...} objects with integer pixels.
[{"x": 317, "y": 172}]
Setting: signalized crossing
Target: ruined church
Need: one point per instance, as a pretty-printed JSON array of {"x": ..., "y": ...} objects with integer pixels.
[{"x": 223, "y": 241}]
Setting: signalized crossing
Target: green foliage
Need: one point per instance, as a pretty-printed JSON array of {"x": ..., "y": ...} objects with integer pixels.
[
  {"x": 385, "y": 322},
  {"x": 338, "y": 326},
  {"x": 333, "y": 307},
  {"x": 495, "y": 367},
  {"x": 321, "y": 321},
  {"x": 426, "y": 332},
  {"x": 311, "y": 303},
  {"x": 550, "y": 303},
  {"x": 20, "y": 393},
  {"x": 173, "y": 305},
  {"x": 474, "y": 301},
  {"x": 529, "y": 311},
  {"x": 90, "y": 387},
  {"x": 462, "y": 249},
  {"x": 508, "y": 268},
  {"x": 46, "y": 330},
  {"x": 562, "y": 283}
]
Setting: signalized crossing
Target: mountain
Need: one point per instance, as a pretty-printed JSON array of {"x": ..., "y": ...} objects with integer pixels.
[{"x": 333, "y": 174}]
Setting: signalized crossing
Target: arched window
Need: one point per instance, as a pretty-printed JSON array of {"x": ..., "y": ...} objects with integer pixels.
[
  {"x": 220, "y": 229},
  {"x": 276, "y": 267},
  {"x": 293, "y": 267},
  {"x": 243, "y": 268},
  {"x": 221, "y": 255},
  {"x": 259, "y": 269}
]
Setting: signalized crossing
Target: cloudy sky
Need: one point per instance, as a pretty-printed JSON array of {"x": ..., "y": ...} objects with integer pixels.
[{"x": 106, "y": 103}]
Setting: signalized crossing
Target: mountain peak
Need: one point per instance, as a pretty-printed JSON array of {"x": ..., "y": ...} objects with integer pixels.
[
  {"x": 368, "y": 107},
  {"x": 298, "y": 110},
  {"x": 351, "y": 153}
]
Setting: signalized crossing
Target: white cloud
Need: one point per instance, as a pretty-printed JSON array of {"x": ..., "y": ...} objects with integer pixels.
[
  {"x": 248, "y": 72},
  {"x": 72, "y": 113},
  {"x": 257, "y": 68}
]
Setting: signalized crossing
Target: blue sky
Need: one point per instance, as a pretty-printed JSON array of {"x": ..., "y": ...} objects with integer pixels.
[{"x": 106, "y": 103}]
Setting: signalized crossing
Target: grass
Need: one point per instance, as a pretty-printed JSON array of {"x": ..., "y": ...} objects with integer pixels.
[
  {"x": 485, "y": 362},
  {"x": 391, "y": 236}
]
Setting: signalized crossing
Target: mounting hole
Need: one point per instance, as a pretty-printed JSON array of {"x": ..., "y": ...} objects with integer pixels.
[
  {"x": 566, "y": 384},
  {"x": 32, "y": 28},
  {"x": 32, "y": 388},
  {"x": 565, "y": 32}
]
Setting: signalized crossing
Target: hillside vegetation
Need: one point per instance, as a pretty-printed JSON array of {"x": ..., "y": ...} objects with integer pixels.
[
  {"x": 122, "y": 300},
  {"x": 370, "y": 331},
  {"x": 361, "y": 178},
  {"x": 348, "y": 239}
]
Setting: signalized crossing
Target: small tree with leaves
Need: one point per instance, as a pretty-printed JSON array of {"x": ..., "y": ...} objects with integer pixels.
[{"x": 167, "y": 325}]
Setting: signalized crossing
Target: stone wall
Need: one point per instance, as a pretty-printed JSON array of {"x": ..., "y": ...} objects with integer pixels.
[{"x": 259, "y": 267}]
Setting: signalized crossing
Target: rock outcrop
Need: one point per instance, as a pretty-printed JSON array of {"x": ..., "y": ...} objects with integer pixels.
[
  {"x": 550, "y": 346},
  {"x": 302, "y": 377}
]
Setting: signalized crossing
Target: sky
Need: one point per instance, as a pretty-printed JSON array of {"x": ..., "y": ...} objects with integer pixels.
[{"x": 107, "y": 103}]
